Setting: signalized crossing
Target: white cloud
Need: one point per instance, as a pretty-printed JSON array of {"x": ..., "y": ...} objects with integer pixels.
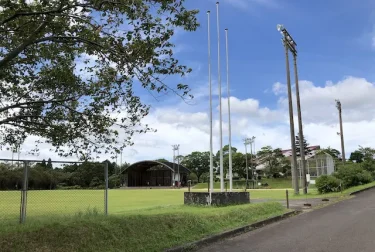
[
  {"x": 249, "y": 118},
  {"x": 279, "y": 88},
  {"x": 318, "y": 103}
]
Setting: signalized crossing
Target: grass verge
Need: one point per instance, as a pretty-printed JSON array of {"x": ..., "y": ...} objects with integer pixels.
[{"x": 152, "y": 230}]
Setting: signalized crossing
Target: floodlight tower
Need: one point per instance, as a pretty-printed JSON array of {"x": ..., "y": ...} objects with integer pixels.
[{"x": 290, "y": 44}]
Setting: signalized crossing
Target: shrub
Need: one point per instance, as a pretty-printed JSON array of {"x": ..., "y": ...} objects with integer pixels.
[
  {"x": 114, "y": 181},
  {"x": 353, "y": 175},
  {"x": 327, "y": 183},
  {"x": 369, "y": 165}
]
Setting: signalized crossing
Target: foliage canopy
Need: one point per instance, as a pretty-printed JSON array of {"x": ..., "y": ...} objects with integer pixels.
[{"x": 69, "y": 68}]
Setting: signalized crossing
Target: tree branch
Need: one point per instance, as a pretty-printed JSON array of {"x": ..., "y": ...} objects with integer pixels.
[
  {"x": 29, "y": 40},
  {"x": 20, "y": 105}
]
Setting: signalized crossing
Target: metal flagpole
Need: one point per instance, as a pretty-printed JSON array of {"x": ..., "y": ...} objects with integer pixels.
[
  {"x": 247, "y": 170},
  {"x": 229, "y": 122},
  {"x": 178, "y": 165},
  {"x": 210, "y": 87},
  {"x": 221, "y": 115},
  {"x": 251, "y": 162},
  {"x": 255, "y": 161}
]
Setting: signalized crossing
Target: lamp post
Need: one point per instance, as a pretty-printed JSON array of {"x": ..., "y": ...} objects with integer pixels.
[
  {"x": 338, "y": 106},
  {"x": 290, "y": 44}
]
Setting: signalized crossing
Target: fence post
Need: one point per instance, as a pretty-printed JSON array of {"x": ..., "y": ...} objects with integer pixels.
[
  {"x": 24, "y": 194},
  {"x": 106, "y": 188},
  {"x": 287, "y": 199}
]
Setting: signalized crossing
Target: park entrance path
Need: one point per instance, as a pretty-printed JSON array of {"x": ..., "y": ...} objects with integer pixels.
[{"x": 346, "y": 226}]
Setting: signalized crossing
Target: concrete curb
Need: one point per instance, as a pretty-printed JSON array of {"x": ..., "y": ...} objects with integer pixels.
[
  {"x": 362, "y": 190},
  {"x": 214, "y": 238}
]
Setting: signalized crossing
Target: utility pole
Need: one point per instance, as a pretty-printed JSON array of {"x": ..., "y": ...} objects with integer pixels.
[
  {"x": 338, "y": 106},
  {"x": 286, "y": 41}
]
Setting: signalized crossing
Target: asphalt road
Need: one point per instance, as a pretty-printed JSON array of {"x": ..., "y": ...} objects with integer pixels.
[{"x": 347, "y": 226}]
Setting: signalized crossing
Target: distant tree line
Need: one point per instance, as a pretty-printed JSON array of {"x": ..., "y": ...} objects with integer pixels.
[
  {"x": 274, "y": 163},
  {"x": 43, "y": 176}
]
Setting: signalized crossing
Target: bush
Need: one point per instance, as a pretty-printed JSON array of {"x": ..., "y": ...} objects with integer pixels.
[
  {"x": 369, "y": 165},
  {"x": 114, "y": 181},
  {"x": 353, "y": 175},
  {"x": 327, "y": 184},
  {"x": 63, "y": 187}
]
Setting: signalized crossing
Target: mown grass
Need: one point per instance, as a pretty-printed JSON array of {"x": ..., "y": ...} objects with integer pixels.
[
  {"x": 69, "y": 202},
  {"x": 146, "y": 230}
]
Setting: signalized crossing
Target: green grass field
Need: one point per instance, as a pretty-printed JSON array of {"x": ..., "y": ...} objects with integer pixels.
[
  {"x": 68, "y": 202},
  {"x": 143, "y": 230},
  {"x": 139, "y": 220}
]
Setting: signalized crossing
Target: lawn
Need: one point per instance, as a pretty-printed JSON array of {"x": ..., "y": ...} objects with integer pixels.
[
  {"x": 69, "y": 202},
  {"x": 139, "y": 220},
  {"x": 66, "y": 202},
  {"x": 143, "y": 230}
]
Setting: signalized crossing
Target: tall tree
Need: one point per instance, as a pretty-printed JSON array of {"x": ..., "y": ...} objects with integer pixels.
[
  {"x": 198, "y": 162},
  {"x": 225, "y": 157},
  {"x": 333, "y": 152},
  {"x": 367, "y": 152},
  {"x": 356, "y": 156},
  {"x": 49, "y": 164},
  {"x": 161, "y": 160},
  {"x": 43, "y": 164},
  {"x": 68, "y": 67},
  {"x": 305, "y": 147},
  {"x": 271, "y": 158}
]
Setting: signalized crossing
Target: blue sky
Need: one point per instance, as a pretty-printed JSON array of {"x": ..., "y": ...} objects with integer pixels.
[
  {"x": 336, "y": 60},
  {"x": 334, "y": 40}
]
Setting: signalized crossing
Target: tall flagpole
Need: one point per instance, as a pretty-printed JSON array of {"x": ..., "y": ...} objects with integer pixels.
[
  {"x": 210, "y": 87},
  {"x": 229, "y": 122},
  {"x": 221, "y": 115}
]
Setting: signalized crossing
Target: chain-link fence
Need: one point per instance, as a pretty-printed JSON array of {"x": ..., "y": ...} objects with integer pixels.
[{"x": 36, "y": 189}]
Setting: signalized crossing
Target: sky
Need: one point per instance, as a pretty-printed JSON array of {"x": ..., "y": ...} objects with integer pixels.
[{"x": 336, "y": 60}]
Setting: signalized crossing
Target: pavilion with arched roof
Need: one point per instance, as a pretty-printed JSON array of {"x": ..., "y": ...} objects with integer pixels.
[{"x": 155, "y": 173}]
